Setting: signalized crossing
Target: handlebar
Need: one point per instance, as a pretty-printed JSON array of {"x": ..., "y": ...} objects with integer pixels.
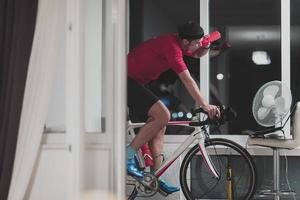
[{"x": 226, "y": 114}]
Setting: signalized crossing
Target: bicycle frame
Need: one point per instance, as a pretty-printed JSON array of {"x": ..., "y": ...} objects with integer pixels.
[{"x": 197, "y": 135}]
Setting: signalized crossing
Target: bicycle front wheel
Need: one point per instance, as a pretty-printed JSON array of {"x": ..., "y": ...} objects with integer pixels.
[{"x": 237, "y": 172}]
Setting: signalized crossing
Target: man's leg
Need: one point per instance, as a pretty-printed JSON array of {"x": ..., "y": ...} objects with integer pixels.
[
  {"x": 156, "y": 147},
  {"x": 158, "y": 118}
]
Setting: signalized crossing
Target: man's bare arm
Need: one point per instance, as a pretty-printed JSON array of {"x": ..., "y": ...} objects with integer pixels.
[
  {"x": 200, "y": 52},
  {"x": 194, "y": 91}
]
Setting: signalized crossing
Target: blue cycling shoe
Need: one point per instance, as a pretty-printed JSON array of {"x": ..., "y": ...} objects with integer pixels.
[
  {"x": 133, "y": 169},
  {"x": 167, "y": 187}
]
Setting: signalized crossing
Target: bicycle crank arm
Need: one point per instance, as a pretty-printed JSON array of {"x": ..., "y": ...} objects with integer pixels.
[{"x": 146, "y": 186}]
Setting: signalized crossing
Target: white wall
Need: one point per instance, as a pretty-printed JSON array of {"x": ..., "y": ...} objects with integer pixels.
[
  {"x": 52, "y": 180},
  {"x": 97, "y": 164}
]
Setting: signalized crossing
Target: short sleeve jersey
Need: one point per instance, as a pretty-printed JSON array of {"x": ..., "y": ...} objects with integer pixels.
[{"x": 151, "y": 58}]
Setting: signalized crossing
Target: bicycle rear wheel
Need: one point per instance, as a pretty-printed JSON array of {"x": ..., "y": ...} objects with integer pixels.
[{"x": 233, "y": 163}]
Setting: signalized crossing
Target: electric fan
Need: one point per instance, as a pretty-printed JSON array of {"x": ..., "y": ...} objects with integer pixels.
[{"x": 271, "y": 103}]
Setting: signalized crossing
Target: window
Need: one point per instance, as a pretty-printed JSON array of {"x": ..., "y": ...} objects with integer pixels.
[
  {"x": 253, "y": 59},
  {"x": 94, "y": 72},
  {"x": 154, "y": 18},
  {"x": 295, "y": 49},
  {"x": 253, "y": 30},
  {"x": 55, "y": 120},
  {"x": 94, "y": 89}
]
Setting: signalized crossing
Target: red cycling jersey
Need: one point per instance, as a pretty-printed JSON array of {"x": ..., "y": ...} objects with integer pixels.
[{"x": 151, "y": 58}]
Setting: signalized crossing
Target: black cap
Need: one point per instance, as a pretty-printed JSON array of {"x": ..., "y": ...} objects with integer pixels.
[{"x": 190, "y": 30}]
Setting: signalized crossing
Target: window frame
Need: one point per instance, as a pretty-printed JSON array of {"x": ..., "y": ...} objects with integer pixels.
[{"x": 285, "y": 51}]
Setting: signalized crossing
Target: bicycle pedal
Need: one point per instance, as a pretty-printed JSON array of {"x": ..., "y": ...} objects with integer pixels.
[{"x": 163, "y": 193}]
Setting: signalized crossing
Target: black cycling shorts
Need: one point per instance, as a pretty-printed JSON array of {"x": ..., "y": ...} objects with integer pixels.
[{"x": 139, "y": 100}]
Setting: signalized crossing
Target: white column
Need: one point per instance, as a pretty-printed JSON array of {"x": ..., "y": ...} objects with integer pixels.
[
  {"x": 120, "y": 94},
  {"x": 204, "y": 61},
  {"x": 114, "y": 63},
  {"x": 285, "y": 49},
  {"x": 119, "y": 98},
  {"x": 74, "y": 94}
]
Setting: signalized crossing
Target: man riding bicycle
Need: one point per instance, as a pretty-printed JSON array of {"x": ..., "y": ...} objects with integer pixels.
[{"x": 147, "y": 62}]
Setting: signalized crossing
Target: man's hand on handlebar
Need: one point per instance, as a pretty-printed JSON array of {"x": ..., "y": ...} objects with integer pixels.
[
  {"x": 225, "y": 115},
  {"x": 212, "y": 111}
]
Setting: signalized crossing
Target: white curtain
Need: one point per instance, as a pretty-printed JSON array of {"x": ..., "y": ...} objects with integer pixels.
[{"x": 37, "y": 92}]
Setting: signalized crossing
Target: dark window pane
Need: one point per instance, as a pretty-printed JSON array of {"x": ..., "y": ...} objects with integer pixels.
[
  {"x": 295, "y": 49},
  {"x": 249, "y": 26},
  {"x": 151, "y": 18}
]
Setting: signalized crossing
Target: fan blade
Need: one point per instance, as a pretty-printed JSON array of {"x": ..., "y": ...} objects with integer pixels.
[
  {"x": 263, "y": 112},
  {"x": 271, "y": 90},
  {"x": 268, "y": 101},
  {"x": 286, "y": 94},
  {"x": 280, "y": 105}
]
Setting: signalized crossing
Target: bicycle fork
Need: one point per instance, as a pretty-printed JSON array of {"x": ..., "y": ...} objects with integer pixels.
[{"x": 209, "y": 164}]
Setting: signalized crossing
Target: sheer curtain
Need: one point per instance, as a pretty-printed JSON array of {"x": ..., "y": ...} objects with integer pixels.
[{"x": 37, "y": 92}]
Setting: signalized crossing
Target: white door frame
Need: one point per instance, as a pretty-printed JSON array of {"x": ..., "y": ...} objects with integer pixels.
[{"x": 114, "y": 46}]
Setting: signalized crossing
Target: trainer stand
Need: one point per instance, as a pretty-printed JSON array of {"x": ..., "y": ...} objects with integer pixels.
[{"x": 267, "y": 138}]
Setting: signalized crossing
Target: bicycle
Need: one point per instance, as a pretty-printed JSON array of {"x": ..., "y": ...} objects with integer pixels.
[{"x": 212, "y": 168}]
